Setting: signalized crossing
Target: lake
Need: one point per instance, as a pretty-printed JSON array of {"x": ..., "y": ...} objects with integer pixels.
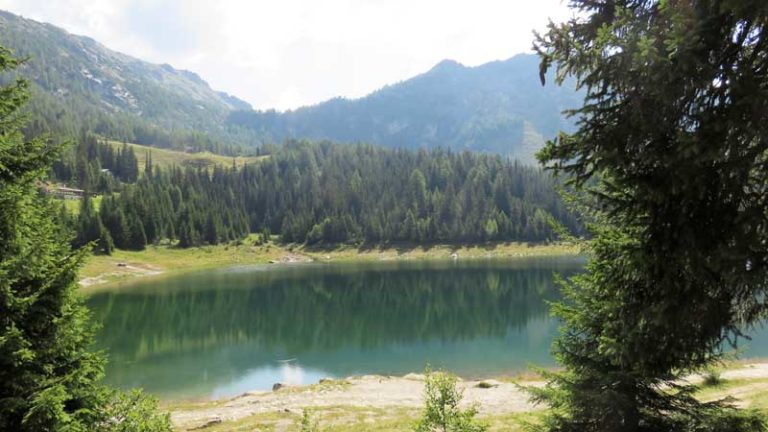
[{"x": 223, "y": 332}]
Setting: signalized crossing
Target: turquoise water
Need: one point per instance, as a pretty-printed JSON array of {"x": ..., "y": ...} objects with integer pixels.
[{"x": 220, "y": 333}]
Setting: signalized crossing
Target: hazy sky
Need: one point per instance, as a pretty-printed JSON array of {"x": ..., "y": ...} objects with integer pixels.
[{"x": 287, "y": 53}]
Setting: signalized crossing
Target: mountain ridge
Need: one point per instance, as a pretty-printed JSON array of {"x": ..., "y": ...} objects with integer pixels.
[
  {"x": 79, "y": 83},
  {"x": 497, "y": 107},
  {"x": 96, "y": 51}
]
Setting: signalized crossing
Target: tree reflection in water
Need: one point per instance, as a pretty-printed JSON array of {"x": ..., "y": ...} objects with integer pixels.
[{"x": 216, "y": 333}]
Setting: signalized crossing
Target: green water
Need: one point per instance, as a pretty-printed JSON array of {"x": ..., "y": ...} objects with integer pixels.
[{"x": 220, "y": 333}]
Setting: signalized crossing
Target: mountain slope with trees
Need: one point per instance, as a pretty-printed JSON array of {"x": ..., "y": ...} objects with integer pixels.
[
  {"x": 78, "y": 83},
  {"x": 499, "y": 107}
]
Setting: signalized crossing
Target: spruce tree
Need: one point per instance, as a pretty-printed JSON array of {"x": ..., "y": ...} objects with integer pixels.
[
  {"x": 671, "y": 160},
  {"x": 49, "y": 381},
  {"x": 148, "y": 165},
  {"x": 137, "y": 238}
]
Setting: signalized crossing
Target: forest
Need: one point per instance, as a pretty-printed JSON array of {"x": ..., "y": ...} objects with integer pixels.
[{"x": 314, "y": 193}]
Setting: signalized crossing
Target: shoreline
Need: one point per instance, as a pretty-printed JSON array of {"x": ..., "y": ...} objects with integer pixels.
[
  {"x": 101, "y": 272},
  {"x": 393, "y": 403}
]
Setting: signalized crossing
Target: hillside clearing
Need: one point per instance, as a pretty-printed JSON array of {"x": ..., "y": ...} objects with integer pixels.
[{"x": 166, "y": 157}]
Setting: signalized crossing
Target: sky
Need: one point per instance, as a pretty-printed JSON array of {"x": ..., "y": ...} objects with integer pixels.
[{"x": 284, "y": 54}]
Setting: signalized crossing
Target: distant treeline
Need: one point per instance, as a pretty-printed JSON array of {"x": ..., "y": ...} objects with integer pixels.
[{"x": 320, "y": 193}]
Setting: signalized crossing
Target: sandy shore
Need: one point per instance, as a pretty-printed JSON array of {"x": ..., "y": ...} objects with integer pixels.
[
  {"x": 494, "y": 398},
  {"x": 361, "y": 392}
]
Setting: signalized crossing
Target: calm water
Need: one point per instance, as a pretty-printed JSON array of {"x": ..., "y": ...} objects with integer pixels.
[{"x": 221, "y": 333}]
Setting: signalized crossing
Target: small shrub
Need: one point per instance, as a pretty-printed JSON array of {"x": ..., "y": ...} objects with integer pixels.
[
  {"x": 712, "y": 378},
  {"x": 132, "y": 412},
  {"x": 441, "y": 407},
  {"x": 308, "y": 422}
]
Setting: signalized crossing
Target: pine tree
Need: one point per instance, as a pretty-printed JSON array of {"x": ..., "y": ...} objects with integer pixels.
[
  {"x": 212, "y": 231},
  {"x": 148, "y": 165},
  {"x": 137, "y": 239},
  {"x": 91, "y": 230},
  {"x": 105, "y": 244},
  {"x": 671, "y": 160},
  {"x": 49, "y": 381},
  {"x": 114, "y": 220}
]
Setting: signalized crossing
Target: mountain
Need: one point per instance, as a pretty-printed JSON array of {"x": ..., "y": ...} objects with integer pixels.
[
  {"x": 78, "y": 84},
  {"x": 77, "y": 80},
  {"x": 498, "y": 107}
]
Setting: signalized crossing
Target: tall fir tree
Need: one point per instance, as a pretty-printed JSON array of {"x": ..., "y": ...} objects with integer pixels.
[
  {"x": 49, "y": 381},
  {"x": 148, "y": 165},
  {"x": 671, "y": 157},
  {"x": 137, "y": 237}
]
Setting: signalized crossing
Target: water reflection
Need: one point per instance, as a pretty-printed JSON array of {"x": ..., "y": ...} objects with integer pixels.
[{"x": 221, "y": 333}]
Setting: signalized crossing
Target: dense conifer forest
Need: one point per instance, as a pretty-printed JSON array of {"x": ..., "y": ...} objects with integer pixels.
[{"x": 314, "y": 193}]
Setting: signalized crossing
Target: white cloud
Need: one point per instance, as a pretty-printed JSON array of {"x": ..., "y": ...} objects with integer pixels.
[{"x": 287, "y": 53}]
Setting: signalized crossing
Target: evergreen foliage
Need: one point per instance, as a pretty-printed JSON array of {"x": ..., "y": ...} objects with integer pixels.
[
  {"x": 672, "y": 150},
  {"x": 96, "y": 166},
  {"x": 91, "y": 230},
  {"x": 330, "y": 193},
  {"x": 49, "y": 381},
  {"x": 324, "y": 193}
]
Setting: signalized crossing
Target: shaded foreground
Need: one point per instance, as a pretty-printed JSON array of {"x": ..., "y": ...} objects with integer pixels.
[{"x": 393, "y": 403}]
